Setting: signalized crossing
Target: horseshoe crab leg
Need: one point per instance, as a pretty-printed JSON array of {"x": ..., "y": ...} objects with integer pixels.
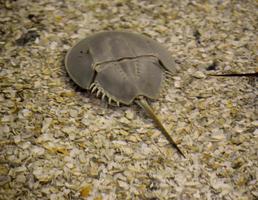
[{"x": 146, "y": 106}]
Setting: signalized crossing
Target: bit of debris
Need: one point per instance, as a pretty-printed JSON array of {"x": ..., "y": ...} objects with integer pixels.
[
  {"x": 213, "y": 66},
  {"x": 199, "y": 74},
  {"x": 30, "y": 36},
  {"x": 197, "y": 36}
]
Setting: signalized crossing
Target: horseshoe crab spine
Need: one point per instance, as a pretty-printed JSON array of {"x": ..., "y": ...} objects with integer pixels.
[
  {"x": 100, "y": 92},
  {"x": 146, "y": 106}
]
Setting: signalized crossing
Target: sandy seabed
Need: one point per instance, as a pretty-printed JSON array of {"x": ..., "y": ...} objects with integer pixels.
[{"x": 60, "y": 142}]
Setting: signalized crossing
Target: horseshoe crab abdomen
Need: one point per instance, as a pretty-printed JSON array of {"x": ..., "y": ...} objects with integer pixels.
[{"x": 129, "y": 78}]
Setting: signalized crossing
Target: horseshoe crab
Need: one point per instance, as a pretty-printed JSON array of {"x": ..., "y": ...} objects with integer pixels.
[{"x": 122, "y": 67}]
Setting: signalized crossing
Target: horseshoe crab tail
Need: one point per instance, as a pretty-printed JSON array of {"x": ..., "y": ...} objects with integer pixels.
[{"x": 146, "y": 106}]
